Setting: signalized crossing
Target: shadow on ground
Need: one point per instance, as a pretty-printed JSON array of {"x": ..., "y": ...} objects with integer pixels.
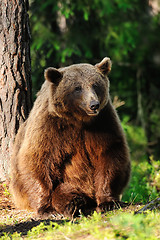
[{"x": 24, "y": 227}]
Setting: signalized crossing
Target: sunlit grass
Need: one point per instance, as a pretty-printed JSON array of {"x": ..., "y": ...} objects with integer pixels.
[{"x": 114, "y": 225}]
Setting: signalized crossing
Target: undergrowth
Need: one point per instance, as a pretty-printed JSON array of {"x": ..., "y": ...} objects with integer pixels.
[
  {"x": 113, "y": 225},
  {"x": 144, "y": 184}
]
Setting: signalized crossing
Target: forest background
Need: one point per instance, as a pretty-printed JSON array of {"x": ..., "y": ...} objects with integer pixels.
[{"x": 68, "y": 32}]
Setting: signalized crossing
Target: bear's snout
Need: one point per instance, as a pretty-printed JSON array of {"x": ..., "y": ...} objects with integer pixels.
[{"x": 94, "y": 105}]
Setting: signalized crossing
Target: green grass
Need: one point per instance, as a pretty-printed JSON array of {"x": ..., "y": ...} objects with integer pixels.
[{"x": 114, "y": 225}]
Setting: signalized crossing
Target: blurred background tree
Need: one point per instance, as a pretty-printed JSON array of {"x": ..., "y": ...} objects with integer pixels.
[{"x": 67, "y": 32}]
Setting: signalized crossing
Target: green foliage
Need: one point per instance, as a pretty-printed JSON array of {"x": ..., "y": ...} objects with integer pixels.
[
  {"x": 145, "y": 178},
  {"x": 14, "y": 236},
  {"x": 127, "y": 226},
  {"x": 136, "y": 139},
  {"x": 6, "y": 191},
  {"x": 142, "y": 187}
]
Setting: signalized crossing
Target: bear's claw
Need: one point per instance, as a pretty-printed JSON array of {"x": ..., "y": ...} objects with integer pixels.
[{"x": 109, "y": 206}]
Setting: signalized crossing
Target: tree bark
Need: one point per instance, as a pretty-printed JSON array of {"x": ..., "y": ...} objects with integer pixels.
[{"x": 15, "y": 75}]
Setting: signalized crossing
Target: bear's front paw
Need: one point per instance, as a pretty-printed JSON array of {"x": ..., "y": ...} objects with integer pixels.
[
  {"x": 109, "y": 206},
  {"x": 75, "y": 207},
  {"x": 45, "y": 213}
]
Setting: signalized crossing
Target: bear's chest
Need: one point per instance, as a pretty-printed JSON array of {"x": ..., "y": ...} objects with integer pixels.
[{"x": 78, "y": 170}]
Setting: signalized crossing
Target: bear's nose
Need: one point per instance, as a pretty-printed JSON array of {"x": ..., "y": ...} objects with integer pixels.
[{"x": 94, "y": 105}]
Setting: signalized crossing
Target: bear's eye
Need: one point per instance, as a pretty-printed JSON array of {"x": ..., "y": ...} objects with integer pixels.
[{"x": 78, "y": 89}]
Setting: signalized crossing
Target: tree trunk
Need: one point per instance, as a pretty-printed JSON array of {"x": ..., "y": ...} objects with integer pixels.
[{"x": 15, "y": 75}]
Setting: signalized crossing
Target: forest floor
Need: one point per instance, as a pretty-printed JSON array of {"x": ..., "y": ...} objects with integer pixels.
[{"x": 14, "y": 221}]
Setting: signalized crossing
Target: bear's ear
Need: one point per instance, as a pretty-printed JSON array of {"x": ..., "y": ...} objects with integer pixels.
[
  {"x": 104, "y": 66},
  {"x": 53, "y": 75}
]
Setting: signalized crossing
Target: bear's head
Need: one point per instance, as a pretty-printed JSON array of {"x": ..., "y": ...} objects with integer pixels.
[{"x": 79, "y": 91}]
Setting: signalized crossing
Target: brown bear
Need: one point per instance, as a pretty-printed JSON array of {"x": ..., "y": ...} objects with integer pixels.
[{"x": 71, "y": 154}]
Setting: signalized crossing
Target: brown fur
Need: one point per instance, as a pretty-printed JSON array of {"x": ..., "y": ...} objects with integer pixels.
[{"x": 66, "y": 156}]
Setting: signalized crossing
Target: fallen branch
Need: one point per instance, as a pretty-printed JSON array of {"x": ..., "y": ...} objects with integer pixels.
[{"x": 153, "y": 205}]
